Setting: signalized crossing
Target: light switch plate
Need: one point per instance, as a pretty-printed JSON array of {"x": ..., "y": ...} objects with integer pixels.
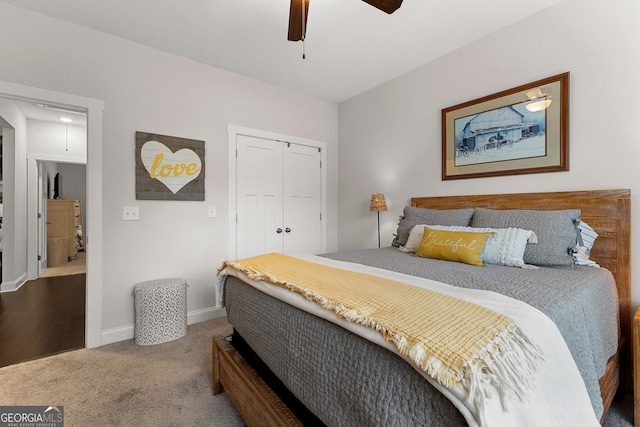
[
  {"x": 212, "y": 212},
  {"x": 130, "y": 213}
]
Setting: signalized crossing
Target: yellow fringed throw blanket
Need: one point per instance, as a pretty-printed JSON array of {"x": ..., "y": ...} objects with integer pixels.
[{"x": 454, "y": 341}]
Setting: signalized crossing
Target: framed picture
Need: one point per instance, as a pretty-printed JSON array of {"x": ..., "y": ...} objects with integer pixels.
[
  {"x": 517, "y": 131},
  {"x": 169, "y": 168}
]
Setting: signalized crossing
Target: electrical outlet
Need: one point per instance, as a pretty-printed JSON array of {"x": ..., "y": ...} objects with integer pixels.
[
  {"x": 130, "y": 213},
  {"x": 212, "y": 212}
]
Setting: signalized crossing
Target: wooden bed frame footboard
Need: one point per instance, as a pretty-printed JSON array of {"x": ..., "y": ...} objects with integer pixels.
[
  {"x": 257, "y": 403},
  {"x": 607, "y": 211}
]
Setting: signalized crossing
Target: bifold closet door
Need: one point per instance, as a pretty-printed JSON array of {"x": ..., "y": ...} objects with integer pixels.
[
  {"x": 259, "y": 196},
  {"x": 302, "y": 199},
  {"x": 278, "y": 197}
]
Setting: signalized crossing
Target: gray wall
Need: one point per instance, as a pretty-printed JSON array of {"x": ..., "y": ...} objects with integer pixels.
[
  {"x": 146, "y": 90},
  {"x": 390, "y": 136}
]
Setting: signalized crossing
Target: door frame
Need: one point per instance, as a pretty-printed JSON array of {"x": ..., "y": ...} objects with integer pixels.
[
  {"x": 232, "y": 132},
  {"x": 35, "y": 161},
  {"x": 93, "y": 228},
  {"x": 42, "y": 222}
]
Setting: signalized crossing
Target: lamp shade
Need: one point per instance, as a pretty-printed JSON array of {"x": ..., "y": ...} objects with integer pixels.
[{"x": 378, "y": 203}]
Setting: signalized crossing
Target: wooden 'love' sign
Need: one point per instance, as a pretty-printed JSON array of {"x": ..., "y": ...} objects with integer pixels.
[{"x": 169, "y": 168}]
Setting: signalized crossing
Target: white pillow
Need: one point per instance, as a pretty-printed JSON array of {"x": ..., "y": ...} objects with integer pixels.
[
  {"x": 581, "y": 256},
  {"x": 586, "y": 238},
  {"x": 586, "y": 235},
  {"x": 505, "y": 247}
]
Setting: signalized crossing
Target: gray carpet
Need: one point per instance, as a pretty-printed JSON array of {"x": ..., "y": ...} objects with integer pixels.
[
  {"x": 168, "y": 384},
  {"x": 621, "y": 412},
  {"x": 125, "y": 384}
]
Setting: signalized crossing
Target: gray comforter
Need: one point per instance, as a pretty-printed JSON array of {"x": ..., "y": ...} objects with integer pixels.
[{"x": 348, "y": 381}]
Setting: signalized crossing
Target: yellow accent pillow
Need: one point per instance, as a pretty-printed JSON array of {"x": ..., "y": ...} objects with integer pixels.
[{"x": 459, "y": 246}]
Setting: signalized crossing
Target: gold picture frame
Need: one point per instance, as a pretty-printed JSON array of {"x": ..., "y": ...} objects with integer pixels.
[{"x": 517, "y": 131}]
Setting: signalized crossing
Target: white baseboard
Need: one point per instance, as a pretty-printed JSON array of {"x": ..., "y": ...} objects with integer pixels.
[
  {"x": 13, "y": 285},
  {"x": 205, "y": 314},
  {"x": 110, "y": 336},
  {"x": 123, "y": 333}
]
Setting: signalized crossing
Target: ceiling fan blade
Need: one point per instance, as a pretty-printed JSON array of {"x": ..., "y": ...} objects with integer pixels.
[
  {"x": 296, "y": 29},
  {"x": 388, "y": 6}
]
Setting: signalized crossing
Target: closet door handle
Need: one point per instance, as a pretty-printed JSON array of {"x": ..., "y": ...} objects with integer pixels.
[
  {"x": 287, "y": 230},
  {"x": 279, "y": 230}
]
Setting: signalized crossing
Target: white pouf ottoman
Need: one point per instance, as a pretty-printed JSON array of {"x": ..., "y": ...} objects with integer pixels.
[{"x": 161, "y": 310}]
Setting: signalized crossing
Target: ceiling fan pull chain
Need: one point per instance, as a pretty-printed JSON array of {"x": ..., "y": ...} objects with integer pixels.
[{"x": 304, "y": 29}]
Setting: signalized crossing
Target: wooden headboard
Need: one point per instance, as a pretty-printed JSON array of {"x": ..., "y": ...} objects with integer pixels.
[{"x": 607, "y": 211}]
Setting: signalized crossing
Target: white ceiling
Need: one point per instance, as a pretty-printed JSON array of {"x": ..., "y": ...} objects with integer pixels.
[
  {"x": 51, "y": 113},
  {"x": 350, "y": 46}
]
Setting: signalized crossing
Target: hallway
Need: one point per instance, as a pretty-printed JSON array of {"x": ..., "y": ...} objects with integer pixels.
[
  {"x": 76, "y": 266},
  {"x": 44, "y": 317}
]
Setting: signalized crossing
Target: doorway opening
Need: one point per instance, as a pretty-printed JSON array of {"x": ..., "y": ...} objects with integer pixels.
[
  {"x": 23, "y": 214},
  {"x": 61, "y": 217},
  {"x": 49, "y": 311}
]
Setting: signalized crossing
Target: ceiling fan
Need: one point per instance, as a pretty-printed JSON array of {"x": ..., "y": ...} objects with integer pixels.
[{"x": 298, "y": 13}]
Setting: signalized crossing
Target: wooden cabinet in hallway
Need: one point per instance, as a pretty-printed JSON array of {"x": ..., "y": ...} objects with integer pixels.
[{"x": 64, "y": 220}]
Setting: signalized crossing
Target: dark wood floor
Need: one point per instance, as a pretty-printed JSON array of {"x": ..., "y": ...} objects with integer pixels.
[{"x": 43, "y": 317}]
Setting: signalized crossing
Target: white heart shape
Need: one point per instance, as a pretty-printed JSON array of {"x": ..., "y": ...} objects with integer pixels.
[{"x": 174, "y": 170}]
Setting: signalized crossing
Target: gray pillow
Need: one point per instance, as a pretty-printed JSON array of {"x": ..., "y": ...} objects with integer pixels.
[
  {"x": 556, "y": 232},
  {"x": 414, "y": 216}
]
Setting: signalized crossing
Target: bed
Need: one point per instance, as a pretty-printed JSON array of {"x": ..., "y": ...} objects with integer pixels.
[{"x": 261, "y": 325}]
